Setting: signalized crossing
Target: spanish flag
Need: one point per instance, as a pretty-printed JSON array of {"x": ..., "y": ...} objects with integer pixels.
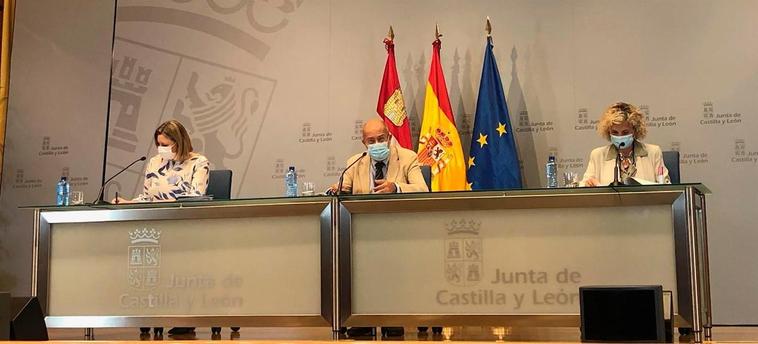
[
  {"x": 391, "y": 106},
  {"x": 439, "y": 144}
]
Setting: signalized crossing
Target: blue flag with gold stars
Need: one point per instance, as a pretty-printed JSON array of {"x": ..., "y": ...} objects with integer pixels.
[{"x": 493, "y": 162}]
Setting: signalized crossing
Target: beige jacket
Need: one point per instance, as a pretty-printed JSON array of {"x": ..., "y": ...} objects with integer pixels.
[
  {"x": 402, "y": 169},
  {"x": 647, "y": 159}
]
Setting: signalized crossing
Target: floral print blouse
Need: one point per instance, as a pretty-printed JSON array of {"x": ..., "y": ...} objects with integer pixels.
[{"x": 168, "y": 179}]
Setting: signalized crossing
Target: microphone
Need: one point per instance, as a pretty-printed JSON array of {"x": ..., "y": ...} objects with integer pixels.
[
  {"x": 99, "y": 199},
  {"x": 342, "y": 176}
]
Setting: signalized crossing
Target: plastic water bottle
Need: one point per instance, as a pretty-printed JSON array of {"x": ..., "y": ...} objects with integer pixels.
[
  {"x": 290, "y": 182},
  {"x": 62, "y": 192},
  {"x": 552, "y": 172}
]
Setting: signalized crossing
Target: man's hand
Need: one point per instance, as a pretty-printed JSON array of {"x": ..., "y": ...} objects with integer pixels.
[
  {"x": 383, "y": 186},
  {"x": 333, "y": 189}
]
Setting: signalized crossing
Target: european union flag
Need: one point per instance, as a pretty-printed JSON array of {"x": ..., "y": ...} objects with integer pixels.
[{"x": 493, "y": 162}]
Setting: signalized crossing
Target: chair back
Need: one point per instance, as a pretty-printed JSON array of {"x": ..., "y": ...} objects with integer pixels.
[
  {"x": 426, "y": 171},
  {"x": 671, "y": 160},
  {"x": 220, "y": 184}
]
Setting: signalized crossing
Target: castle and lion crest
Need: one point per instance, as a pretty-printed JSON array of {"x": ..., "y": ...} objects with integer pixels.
[
  {"x": 144, "y": 252},
  {"x": 394, "y": 109},
  {"x": 463, "y": 253}
]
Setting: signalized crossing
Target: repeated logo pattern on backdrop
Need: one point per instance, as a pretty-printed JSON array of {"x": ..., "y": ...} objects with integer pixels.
[
  {"x": 263, "y": 85},
  {"x": 247, "y": 76}
]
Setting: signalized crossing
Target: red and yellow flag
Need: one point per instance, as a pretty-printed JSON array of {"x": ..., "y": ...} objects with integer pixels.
[
  {"x": 439, "y": 144},
  {"x": 391, "y": 106}
]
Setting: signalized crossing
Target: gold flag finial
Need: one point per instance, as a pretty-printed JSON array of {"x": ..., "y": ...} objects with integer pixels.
[
  {"x": 391, "y": 34},
  {"x": 488, "y": 27},
  {"x": 437, "y": 33}
]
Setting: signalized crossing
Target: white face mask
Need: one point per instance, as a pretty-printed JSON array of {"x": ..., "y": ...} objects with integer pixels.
[{"x": 166, "y": 152}]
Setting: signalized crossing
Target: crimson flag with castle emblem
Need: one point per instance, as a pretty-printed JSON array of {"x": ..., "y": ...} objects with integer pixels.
[{"x": 391, "y": 106}]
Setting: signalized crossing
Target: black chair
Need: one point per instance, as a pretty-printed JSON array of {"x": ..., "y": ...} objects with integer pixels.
[
  {"x": 220, "y": 184},
  {"x": 671, "y": 160},
  {"x": 426, "y": 171},
  {"x": 220, "y": 187}
]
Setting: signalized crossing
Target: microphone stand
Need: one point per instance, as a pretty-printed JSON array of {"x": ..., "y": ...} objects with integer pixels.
[
  {"x": 617, "y": 169},
  {"x": 100, "y": 195},
  {"x": 342, "y": 176}
]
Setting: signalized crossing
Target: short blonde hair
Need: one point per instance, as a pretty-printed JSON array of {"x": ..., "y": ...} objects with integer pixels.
[
  {"x": 175, "y": 131},
  {"x": 622, "y": 112}
]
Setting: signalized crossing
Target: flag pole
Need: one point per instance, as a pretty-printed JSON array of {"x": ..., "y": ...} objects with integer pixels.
[
  {"x": 390, "y": 106},
  {"x": 437, "y": 33},
  {"x": 488, "y": 27},
  {"x": 390, "y": 39}
]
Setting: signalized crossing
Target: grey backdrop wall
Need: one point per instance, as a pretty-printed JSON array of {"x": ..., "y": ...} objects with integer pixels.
[
  {"x": 263, "y": 85},
  {"x": 57, "y": 101}
]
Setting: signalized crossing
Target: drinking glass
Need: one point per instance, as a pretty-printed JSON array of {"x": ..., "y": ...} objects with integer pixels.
[
  {"x": 77, "y": 198},
  {"x": 308, "y": 188},
  {"x": 570, "y": 179}
]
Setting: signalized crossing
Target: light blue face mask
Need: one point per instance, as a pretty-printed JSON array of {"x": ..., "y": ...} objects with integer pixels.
[
  {"x": 379, "y": 151},
  {"x": 622, "y": 141}
]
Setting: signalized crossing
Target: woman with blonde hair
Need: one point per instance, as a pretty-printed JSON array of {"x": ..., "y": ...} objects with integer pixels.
[
  {"x": 176, "y": 170},
  {"x": 638, "y": 163}
]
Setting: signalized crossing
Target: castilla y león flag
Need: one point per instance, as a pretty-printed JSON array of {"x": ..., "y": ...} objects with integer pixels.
[
  {"x": 439, "y": 145},
  {"x": 391, "y": 106}
]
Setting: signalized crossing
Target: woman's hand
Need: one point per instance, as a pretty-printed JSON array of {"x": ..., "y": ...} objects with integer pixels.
[
  {"x": 592, "y": 181},
  {"x": 119, "y": 200}
]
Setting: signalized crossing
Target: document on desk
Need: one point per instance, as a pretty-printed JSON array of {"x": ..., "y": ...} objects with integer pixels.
[{"x": 643, "y": 181}]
